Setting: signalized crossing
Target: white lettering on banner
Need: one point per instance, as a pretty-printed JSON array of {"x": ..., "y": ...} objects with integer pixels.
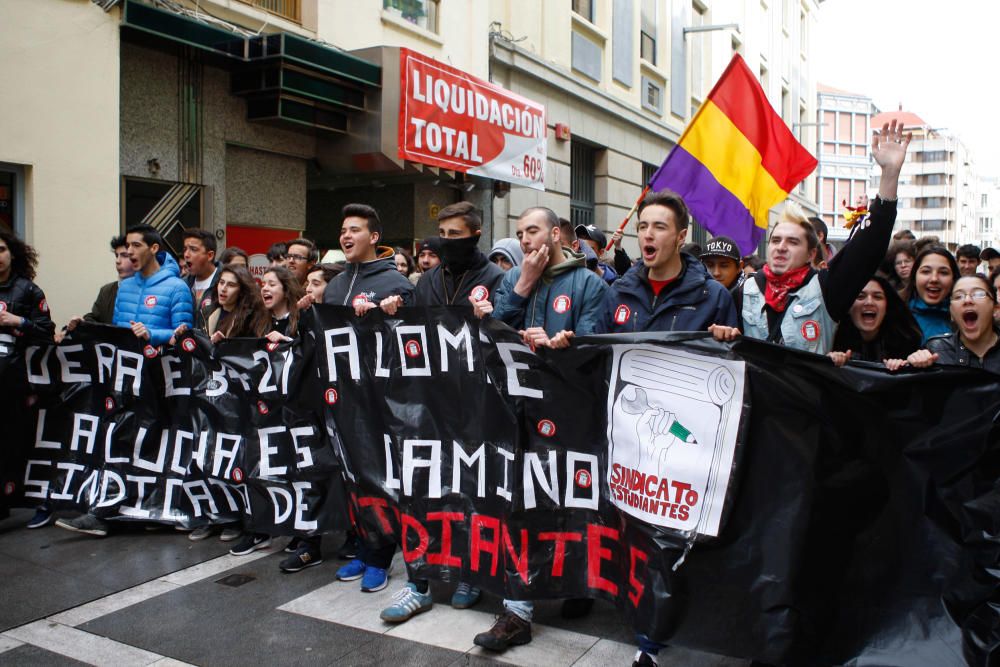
[
  {"x": 175, "y": 461},
  {"x": 283, "y": 504},
  {"x": 504, "y": 491},
  {"x": 456, "y": 342},
  {"x": 105, "y": 353},
  {"x": 478, "y": 459},
  {"x": 266, "y": 385},
  {"x": 123, "y": 369},
  {"x": 71, "y": 469},
  {"x": 433, "y": 464},
  {"x": 574, "y": 463},
  {"x": 514, "y": 386},
  {"x": 42, "y": 376},
  {"x": 68, "y": 366},
  {"x": 161, "y": 452},
  {"x": 266, "y": 451},
  {"x": 380, "y": 369},
  {"x": 391, "y": 481},
  {"x": 40, "y": 442},
  {"x": 351, "y": 348},
  {"x": 533, "y": 474},
  {"x": 106, "y": 477},
  {"x": 136, "y": 510},
  {"x": 304, "y": 452},
  {"x": 108, "y": 457},
  {"x": 421, "y": 331},
  {"x": 80, "y": 432},
  {"x": 167, "y": 361},
  {"x": 220, "y": 453},
  {"x": 227, "y": 493},
  {"x": 197, "y": 498},
  {"x": 36, "y": 488}
]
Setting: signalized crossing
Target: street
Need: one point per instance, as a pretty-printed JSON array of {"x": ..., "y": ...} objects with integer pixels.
[{"x": 153, "y": 597}]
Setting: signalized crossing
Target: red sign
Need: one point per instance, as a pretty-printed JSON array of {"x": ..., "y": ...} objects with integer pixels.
[{"x": 450, "y": 119}]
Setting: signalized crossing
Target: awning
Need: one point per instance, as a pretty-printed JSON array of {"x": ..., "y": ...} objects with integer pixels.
[{"x": 285, "y": 78}]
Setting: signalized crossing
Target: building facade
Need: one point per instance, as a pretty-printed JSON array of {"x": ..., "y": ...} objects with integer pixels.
[
  {"x": 843, "y": 150},
  {"x": 937, "y": 186},
  {"x": 259, "y": 119}
]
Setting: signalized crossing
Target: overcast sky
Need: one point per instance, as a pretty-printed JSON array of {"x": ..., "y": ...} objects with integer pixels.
[{"x": 936, "y": 57}]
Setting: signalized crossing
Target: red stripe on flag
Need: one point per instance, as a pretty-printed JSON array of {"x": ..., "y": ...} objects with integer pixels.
[{"x": 739, "y": 95}]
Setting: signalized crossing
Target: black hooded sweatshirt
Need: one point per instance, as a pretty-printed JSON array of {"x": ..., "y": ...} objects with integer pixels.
[{"x": 369, "y": 281}]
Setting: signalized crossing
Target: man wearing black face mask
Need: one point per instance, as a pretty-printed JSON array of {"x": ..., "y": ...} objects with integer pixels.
[{"x": 465, "y": 275}]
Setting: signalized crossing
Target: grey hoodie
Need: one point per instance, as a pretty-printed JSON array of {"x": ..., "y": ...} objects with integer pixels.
[{"x": 509, "y": 249}]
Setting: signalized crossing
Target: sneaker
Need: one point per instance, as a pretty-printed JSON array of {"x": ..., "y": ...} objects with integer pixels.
[
  {"x": 43, "y": 517},
  {"x": 465, "y": 596},
  {"x": 301, "y": 559},
  {"x": 88, "y": 523},
  {"x": 293, "y": 545},
  {"x": 406, "y": 604},
  {"x": 350, "y": 548},
  {"x": 576, "y": 607},
  {"x": 201, "y": 533},
  {"x": 643, "y": 659},
  {"x": 230, "y": 534},
  {"x": 251, "y": 542},
  {"x": 508, "y": 630},
  {"x": 353, "y": 570},
  {"x": 375, "y": 579}
]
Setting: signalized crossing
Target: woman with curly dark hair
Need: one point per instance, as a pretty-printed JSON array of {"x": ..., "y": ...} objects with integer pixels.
[
  {"x": 24, "y": 320},
  {"x": 878, "y": 327},
  {"x": 240, "y": 312}
]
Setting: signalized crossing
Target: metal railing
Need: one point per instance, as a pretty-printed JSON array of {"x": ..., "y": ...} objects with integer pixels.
[{"x": 286, "y": 9}]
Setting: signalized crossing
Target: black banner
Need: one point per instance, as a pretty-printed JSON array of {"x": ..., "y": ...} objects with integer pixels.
[{"x": 743, "y": 499}]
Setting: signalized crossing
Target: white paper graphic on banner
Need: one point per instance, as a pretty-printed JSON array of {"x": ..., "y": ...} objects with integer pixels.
[{"x": 673, "y": 419}]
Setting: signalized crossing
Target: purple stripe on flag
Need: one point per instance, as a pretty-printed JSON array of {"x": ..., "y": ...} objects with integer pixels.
[{"x": 712, "y": 205}]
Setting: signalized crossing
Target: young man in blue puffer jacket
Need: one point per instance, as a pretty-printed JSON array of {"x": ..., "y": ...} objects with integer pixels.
[{"x": 155, "y": 300}]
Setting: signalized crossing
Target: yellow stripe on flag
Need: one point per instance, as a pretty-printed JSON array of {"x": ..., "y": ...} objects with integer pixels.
[{"x": 717, "y": 143}]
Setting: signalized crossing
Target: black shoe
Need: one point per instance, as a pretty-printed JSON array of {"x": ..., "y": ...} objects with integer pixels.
[
  {"x": 576, "y": 607},
  {"x": 293, "y": 545},
  {"x": 249, "y": 543},
  {"x": 305, "y": 557},
  {"x": 509, "y": 630},
  {"x": 88, "y": 523},
  {"x": 349, "y": 550},
  {"x": 643, "y": 659}
]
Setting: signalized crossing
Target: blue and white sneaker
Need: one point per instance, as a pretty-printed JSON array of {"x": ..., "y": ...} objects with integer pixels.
[
  {"x": 406, "y": 604},
  {"x": 465, "y": 596},
  {"x": 353, "y": 570},
  {"x": 43, "y": 517},
  {"x": 375, "y": 579}
]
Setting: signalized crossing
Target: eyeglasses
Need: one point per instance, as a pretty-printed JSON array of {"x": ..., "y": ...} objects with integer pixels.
[
  {"x": 297, "y": 258},
  {"x": 976, "y": 294}
]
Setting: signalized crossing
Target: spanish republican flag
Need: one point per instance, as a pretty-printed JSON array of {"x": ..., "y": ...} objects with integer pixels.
[{"x": 735, "y": 160}]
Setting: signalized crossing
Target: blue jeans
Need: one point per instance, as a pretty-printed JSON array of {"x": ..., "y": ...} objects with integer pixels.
[{"x": 523, "y": 609}]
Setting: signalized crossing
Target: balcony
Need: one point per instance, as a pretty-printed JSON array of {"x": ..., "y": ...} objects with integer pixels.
[{"x": 286, "y": 9}]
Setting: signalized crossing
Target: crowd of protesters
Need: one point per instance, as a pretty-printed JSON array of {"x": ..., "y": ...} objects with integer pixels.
[{"x": 891, "y": 300}]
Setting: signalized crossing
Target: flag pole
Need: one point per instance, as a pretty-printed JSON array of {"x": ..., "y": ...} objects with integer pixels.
[{"x": 628, "y": 216}]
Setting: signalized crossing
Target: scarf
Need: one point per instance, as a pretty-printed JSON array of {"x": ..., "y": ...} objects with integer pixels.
[{"x": 777, "y": 288}]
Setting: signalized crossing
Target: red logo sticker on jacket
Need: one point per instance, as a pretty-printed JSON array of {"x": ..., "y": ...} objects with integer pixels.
[
  {"x": 330, "y": 396},
  {"x": 583, "y": 478},
  {"x": 43, "y": 306},
  {"x": 237, "y": 475},
  {"x": 359, "y": 300},
  {"x": 262, "y": 407},
  {"x": 109, "y": 404},
  {"x": 206, "y": 302},
  {"x": 561, "y": 303},
  {"x": 149, "y": 351},
  {"x": 150, "y": 301},
  {"x": 189, "y": 345},
  {"x": 622, "y": 314},
  {"x": 271, "y": 346},
  {"x": 9, "y": 488},
  {"x": 412, "y": 349},
  {"x": 480, "y": 293},
  {"x": 810, "y": 330},
  {"x": 546, "y": 428}
]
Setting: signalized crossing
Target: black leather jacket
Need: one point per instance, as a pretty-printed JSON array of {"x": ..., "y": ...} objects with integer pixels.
[{"x": 952, "y": 352}]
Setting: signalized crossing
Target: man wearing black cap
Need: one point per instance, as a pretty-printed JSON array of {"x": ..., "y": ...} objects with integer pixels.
[
  {"x": 991, "y": 257},
  {"x": 594, "y": 237},
  {"x": 428, "y": 256},
  {"x": 722, "y": 259}
]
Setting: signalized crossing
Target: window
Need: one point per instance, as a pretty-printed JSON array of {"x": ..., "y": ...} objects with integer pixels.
[
  {"x": 935, "y": 156},
  {"x": 585, "y": 8},
  {"x": 288, "y": 9},
  {"x": 933, "y": 202},
  {"x": 984, "y": 200},
  {"x": 804, "y": 31},
  {"x": 652, "y": 96},
  {"x": 986, "y": 225},
  {"x": 697, "y": 57},
  {"x": 421, "y": 13},
  {"x": 786, "y": 108},
  {"x": 581, "y": 184},
  {"x": 764, "y": 81},
  {"x": 647, "y": 31},
  {"x": 12, "y": 207}
]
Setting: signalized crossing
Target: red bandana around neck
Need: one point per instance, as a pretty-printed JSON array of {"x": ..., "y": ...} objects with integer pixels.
[{"x": 776, "y": 291}]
